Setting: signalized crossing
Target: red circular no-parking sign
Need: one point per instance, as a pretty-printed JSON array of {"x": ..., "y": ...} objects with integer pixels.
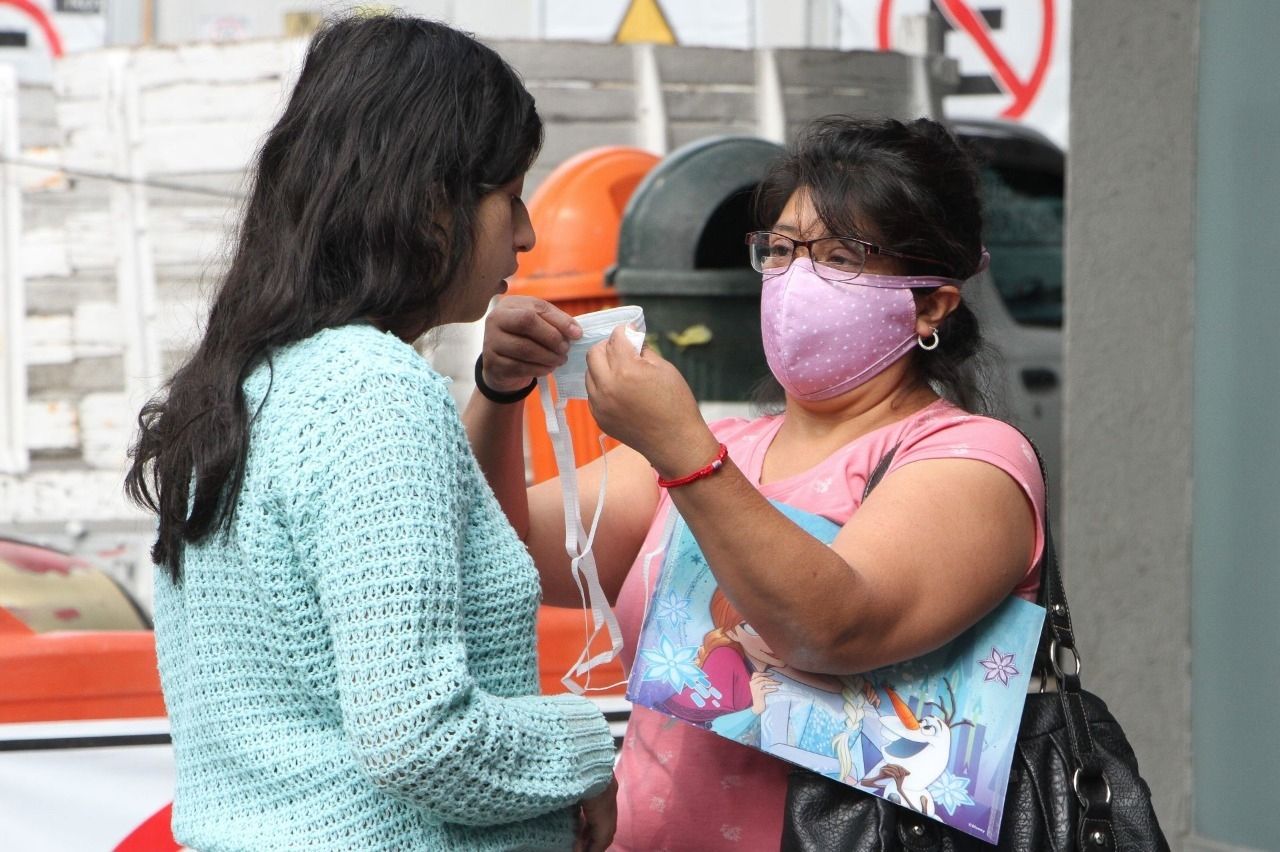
[
  {"x": 41, "y": 18},
  {"x": 963, "y": 17}
]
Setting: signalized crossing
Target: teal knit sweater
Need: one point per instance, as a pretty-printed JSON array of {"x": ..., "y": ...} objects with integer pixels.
[{"x": 352, "y": 665}]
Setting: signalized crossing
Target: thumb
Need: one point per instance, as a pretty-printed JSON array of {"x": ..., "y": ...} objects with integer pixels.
[
  {"x": 649, "y": 354},
  {"x": 620, "y": 338}
]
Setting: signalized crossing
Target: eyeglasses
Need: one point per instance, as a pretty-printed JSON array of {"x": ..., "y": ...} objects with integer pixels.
[{"x": 834, "y": 258}]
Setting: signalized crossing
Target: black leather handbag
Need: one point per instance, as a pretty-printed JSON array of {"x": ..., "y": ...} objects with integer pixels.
[{"x": 1074, "y": 784}]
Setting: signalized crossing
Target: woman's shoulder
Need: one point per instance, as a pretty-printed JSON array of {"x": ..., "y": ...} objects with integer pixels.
[
  {"x": 943, "y": 430},
  {"x": 943, "y": 418},
  {"x": 339, "y": 364},
  {"x": 357, "y": 347},
  {"x": 948, "y": 432},
  {"x": 325, "y": 390}
]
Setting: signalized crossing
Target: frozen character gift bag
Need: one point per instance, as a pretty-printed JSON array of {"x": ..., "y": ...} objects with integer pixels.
[{"x": 935, "y": 734}]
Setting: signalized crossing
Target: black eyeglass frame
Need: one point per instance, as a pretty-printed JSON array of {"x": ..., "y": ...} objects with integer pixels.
[{"x": 870, "y": 248}]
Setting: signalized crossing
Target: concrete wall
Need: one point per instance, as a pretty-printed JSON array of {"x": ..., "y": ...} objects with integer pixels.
[
  {"x": 1128, "y": 390},
  {"x": 1236, "y": 576},
  {"x": 1017, "y": 28}
]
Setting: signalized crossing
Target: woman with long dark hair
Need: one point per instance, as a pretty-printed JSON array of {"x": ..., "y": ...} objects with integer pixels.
[
  {"x": 344, "y": 617},
  {"x": 871, "y": 229}
]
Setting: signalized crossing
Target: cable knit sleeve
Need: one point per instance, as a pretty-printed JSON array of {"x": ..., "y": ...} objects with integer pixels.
[{"x": 387, "y": 515}]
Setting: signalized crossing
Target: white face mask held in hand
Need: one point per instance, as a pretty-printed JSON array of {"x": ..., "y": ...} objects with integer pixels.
[{"x": 570, "y": 382}]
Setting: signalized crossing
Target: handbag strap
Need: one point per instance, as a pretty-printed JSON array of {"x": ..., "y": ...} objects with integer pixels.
[
  {"x": 1088, "y": 780},
  {"x": 1057, "y": 638},
  {"x": 882, "y": 467}
]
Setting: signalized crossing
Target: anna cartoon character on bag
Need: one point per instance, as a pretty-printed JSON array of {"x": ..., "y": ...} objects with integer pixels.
[{"x": 743, "y": 675}]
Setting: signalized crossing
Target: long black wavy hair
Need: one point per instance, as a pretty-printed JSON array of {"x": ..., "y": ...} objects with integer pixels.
[
  {"x": 910, "y": 187},
  {"x": 362, "y": 207}
]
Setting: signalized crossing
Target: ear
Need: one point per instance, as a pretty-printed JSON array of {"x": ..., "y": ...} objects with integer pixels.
[{"x": 933, "y": 307}]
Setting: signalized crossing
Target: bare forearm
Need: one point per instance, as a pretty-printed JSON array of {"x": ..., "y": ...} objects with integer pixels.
[
  {"x": 793, "y": 589},
  {"x": 497, "y": 439},
  {"x": 891, "y": 586}
]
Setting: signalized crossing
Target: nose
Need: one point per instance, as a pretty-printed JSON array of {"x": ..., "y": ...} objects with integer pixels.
[
  {"x": 525, "y": 238},
  {"x": 795, "y": 253}
]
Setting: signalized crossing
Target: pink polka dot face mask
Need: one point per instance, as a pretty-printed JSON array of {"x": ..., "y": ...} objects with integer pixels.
[{"x": 823, "y": 338}]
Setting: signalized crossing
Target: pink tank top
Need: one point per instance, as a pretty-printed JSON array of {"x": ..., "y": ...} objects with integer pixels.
[{"x": 683, "y": 788}]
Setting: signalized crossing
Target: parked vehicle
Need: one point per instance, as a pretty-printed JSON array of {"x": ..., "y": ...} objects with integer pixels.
[
  {"x": 85, "y": 761},
  {"x": 1019, "y": 299}
]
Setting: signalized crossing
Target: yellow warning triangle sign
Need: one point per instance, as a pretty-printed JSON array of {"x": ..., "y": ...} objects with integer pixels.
[{"x": 644, "y": 22}]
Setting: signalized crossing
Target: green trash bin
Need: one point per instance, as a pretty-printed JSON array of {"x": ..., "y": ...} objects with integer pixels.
[{"x": 682, "y": 257}]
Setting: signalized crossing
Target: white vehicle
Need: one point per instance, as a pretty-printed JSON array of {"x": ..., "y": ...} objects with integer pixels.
[{"x": 1019, "y": 299}]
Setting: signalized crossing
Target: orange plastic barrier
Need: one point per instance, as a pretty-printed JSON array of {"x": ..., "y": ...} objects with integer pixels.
[
  {"x": 561, "y": 635},
  {"x": 576, "y": 214}
]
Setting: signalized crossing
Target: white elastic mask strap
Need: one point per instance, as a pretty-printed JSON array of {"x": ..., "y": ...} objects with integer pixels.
[
  {"x": 577, "y": 544},
  {"x": 570, "y": 383}
]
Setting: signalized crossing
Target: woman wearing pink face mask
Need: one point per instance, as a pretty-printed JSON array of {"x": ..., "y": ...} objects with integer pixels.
[{"x": 871, "y": 229}]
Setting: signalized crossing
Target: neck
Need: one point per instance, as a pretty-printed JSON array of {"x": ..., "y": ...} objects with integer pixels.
[
  {"x": 886, "y": 398},
  {"x": 812, "y": 431},
  {"x": 406, "y": 332}
]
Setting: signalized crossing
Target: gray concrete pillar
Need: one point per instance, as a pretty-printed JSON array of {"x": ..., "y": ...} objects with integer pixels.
[{"x": 1130, "y": 241}]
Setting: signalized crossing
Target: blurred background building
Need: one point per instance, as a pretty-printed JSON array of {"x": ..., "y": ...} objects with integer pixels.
[
  {"x": 1013, "y": 56},
  {"x": 126, "y": 127}
]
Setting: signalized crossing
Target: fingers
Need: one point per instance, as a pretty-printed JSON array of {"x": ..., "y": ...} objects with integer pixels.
[
  {"x": 539, "y": 319},
  {"x": 621, "y": 343},
  {"x": 561, "y": 321},
  {"x": 598, "y": 821},
  {"x": 762, "y": 684},
  {"x": 612, "y": 354},
  {"x": 527, "y": 328},
  {"x": 602, "y": 362},
  {"x": 525, "y": 338},
  {"x": 648, "y": 355},
  {"x": 591, "y": 840},
  {"x": 597, "y": 833},
  {"x": 595, "y": 361}
]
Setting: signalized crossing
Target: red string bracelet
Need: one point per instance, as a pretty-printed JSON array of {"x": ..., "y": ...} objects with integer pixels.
[{"x": 716, "y": 464}]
